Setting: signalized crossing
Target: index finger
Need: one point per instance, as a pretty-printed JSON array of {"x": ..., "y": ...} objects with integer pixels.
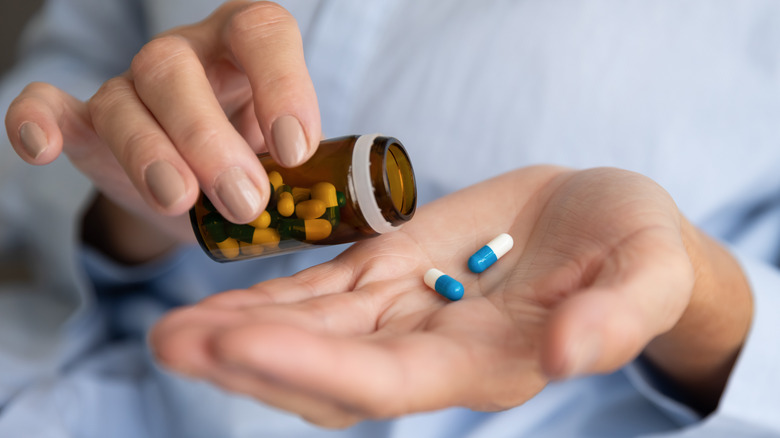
[{"x": 189, "y": 78}]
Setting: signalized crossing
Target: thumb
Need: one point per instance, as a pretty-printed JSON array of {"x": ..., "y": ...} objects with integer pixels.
[
  {"x": 593, "y": 332},
  {"x": 602, "y": 328}
]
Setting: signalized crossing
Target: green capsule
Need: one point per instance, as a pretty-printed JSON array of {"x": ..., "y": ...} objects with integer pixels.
[
  {"x": 301, "y": 194},
  {"x": 341, "y": 198},
  {"x": 305, "y": 229},
  {"x": 332, "y": 215},
  {"x": 284, "y": 188},
  {"x": 275, "y": 216},
  {"x": 242, "y": 233},
  {"x": 214, "y": 224},
  {"x": 271, "y": 199}
]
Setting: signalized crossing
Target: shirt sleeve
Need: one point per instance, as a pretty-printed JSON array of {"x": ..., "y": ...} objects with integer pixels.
[{"x": 750, "y": 402}]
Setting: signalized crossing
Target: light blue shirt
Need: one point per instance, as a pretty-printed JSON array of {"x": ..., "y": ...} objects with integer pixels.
[{"x": 685, "y": 92}]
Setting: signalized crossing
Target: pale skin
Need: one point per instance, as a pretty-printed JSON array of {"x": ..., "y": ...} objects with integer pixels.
[{"x": 604, "y": 267}]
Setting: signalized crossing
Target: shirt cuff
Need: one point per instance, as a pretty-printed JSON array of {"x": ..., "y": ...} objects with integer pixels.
[
  {"x": 751, "y": 398},
  {"x": 107, "y": 273}
]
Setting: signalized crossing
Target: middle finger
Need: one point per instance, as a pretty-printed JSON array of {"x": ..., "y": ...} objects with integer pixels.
[{"x": 171, "y": 81}]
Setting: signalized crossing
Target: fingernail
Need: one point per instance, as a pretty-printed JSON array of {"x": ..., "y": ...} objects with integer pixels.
[
  {"x": 164, "y": 182},
  {"x": 239, "y": 194},
  {"x": 583, "y": 356},
  {"x": 33, "y": 139},
  {"x": 290, "y": 141}
]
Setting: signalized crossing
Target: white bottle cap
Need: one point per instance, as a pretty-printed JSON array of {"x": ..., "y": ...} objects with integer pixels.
[{"x": 364, "y": 189}]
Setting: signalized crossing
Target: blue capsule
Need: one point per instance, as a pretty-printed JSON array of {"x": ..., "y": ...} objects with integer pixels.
[
  {"x": 490, "y": 253},
  {"x": 445, "y": 285},
  {"x": 482, "y": 259}
]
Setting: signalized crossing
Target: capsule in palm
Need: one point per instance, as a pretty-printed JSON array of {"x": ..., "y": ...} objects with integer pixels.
[
  {"x": 445, "y": 285},
  {"x": 490, "y": 253}
]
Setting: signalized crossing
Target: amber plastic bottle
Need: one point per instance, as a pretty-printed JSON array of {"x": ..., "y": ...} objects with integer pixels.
[{"x": 352, "y": 188}]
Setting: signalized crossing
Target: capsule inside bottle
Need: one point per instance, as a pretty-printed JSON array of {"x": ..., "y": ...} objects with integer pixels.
[{"x": 352, "y": 188}]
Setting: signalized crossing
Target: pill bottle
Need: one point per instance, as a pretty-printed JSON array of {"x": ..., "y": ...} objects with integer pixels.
[{"x": 352, "y": 188}]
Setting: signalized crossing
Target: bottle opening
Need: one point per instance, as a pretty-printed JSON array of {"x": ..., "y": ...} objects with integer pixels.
[
  {"x": 399, "y": 179},
  {"x": 384, "y": 182}
]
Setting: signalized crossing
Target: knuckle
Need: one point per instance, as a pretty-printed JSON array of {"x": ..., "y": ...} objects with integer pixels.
[
  {"x": 258, "y": 20},
  {"x": 160, "y": 56},
  {"x": 140, "y": 147},
  {"x": 33, "y": 96},
  {"x": 200, "y": 135},
  {"x": 36, "y": 96},
  {"x": 287, "y": 81},
  {"x": 117, "y": 87},
  {"x": 41, "y": 89},
  {"x": 110, "y": 94}
]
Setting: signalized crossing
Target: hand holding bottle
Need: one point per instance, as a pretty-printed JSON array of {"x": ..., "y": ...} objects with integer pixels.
[{"x": 196, "y": 105}]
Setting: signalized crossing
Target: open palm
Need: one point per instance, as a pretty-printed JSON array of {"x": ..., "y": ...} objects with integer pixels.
[{"x": 598, "y": 269}]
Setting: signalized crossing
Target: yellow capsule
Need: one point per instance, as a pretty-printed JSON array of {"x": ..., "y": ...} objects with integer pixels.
[
  {"x": 275, "y": 178},
  {"x": 250, "y": 249},
  {"x": 262, "y": 221},
  {"x": 267, "y": 237},
  {"x": 317, "y": 229},
  {"x": 311, "y": 209},
  {"x": 229, "y": 248},
  {"x": 325, "y": 192},
  {"x": 305, "y": 229},
  {"x": 285, "y": 205},
  {"x": 300, "y": 194}
]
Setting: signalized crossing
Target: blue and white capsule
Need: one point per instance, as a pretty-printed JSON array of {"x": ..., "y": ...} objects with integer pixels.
[
  {"x": 490, "y": 253},
  {"x": 445, "y": 285}
]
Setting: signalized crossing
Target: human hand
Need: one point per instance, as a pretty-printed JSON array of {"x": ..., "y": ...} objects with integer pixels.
[
  {"x": 601, "y": 266},
  {"x": 196, "y": 105}
]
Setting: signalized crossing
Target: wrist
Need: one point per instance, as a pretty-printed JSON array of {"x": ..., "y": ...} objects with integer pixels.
[
  {"x": 121, "y": 235},
  {"x": 699, "y": 352}
]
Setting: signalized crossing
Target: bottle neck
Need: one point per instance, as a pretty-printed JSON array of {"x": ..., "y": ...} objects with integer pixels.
[{"x": 384, "y": 182}]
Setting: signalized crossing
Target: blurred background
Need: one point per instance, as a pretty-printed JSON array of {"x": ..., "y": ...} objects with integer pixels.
[{"x": 13, "y": 16}]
